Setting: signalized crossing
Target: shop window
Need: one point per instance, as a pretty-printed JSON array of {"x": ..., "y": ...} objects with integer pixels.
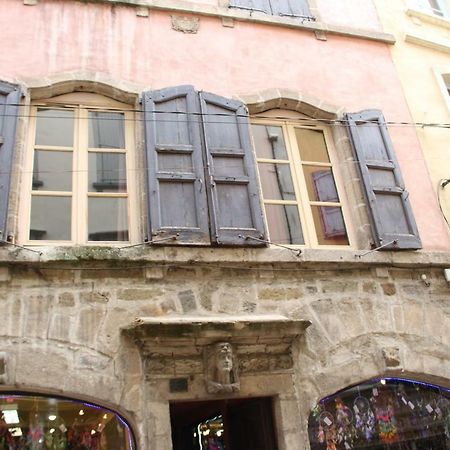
[
  {"x": 233, "y": 424},
  {"x": 298, "y": 184},
  {"x": 81, "y": 161},
  {"x": 383, "y": 414},
  {"x": 50, "y": 423}
]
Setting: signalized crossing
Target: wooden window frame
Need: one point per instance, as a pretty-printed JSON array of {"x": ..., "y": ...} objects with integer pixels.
[
  {"x": 295, "y": 162},
  {"x": 81, "y": 103}
]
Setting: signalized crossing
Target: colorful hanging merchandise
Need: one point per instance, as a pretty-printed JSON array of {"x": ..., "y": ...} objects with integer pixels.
[
  {"x": 327, "y": 430},
  {"x": 345, "y": 430},
  {"x": 364, "y": 419},
  {"x": 385, "y": 416}
]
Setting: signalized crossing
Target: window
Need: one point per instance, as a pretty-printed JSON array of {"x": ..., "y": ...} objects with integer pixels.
[
  {"x": 300, "y": 195},
  {"x": 437, "y": 7},
  {"x": 39, "y": 422},
  {"x": 81, "y": 188},
  {"x": 388, "y": 414},
  {"x": 286, "y": 8}
]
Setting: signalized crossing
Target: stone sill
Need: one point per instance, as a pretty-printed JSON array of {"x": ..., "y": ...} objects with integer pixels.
[
  {"x": 441, "y": 45},
  {"x": 220, "y": 11},
  {"x": 429, "y": 18},
  {"x": 147, "y": 257}
]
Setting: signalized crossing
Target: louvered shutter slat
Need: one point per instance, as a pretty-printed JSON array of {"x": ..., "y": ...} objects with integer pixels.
[
  {"x": 235, "y": 208},
  {"x": 175, "y": 177},
  {"x": 392, "y": 216},
  {"x": 9, "y": 107}
]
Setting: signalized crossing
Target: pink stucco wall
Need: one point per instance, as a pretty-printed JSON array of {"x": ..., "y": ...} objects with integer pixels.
[{"x": 65, "y": 36}]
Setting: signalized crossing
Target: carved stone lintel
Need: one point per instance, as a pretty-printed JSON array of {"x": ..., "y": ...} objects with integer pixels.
[
  {"x": 185, "y": 24},
  {"x": 221, "y": 369}
]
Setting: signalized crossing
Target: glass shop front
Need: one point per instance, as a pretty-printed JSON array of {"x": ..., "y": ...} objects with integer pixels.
[
  {"x": 383, "y": 414},
  {"x": 37, "y": 422}
]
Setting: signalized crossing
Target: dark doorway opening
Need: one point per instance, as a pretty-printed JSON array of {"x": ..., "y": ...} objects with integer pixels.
[{"x": 231, "y": 424}]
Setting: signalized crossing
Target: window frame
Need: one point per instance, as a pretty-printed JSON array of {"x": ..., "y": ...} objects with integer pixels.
[
  {"x": 288, "y": 125},
  {"x": 81, "y": 103}
]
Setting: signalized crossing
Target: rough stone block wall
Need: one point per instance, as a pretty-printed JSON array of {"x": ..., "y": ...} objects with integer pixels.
[{"x": 62, "y": 328}]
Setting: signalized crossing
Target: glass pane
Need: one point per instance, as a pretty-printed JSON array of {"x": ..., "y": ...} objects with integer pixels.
[
  {"x": 330, "y": 227},
  {"x": 276, "y": 181},
  {"x": 320, "y": 184},
  {"x": 52, "y": 171},
  {"x": 269, "y": 142},
  {"x": 107, "y": 172},
  {"x": 54, "y": 127},
  {"x": 50, "y": 218},
  {"x": 106, "y": 130},
  {"x": 382, "y": 414},
  {"x": 311, "y": 145},
  {"x": 284, "y": 224},
  {"x": 46, "y": 423},
  {"x": 107, "y": 219}
]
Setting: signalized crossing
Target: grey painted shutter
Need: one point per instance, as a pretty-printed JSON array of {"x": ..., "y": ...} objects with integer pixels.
[
  {"x": 235, "y": 207},
  {"x": 175, "y": 175},
  {"x": 392, "y": 216},
  {"x": 291, "y": 8},
  {"x": 9, "y": 101},
  {"x": 252, "y": 5}
]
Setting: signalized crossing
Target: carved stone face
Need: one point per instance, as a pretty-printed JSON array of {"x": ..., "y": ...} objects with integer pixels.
[{"x": 224, "y": 357}]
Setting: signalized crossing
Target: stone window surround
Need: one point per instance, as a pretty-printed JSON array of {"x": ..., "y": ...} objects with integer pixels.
[{"x": 222, "y": 11}]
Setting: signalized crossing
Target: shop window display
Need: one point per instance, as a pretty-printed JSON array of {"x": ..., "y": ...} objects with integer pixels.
[
  {"x": 383, "y": 414},
  {"x": 34, "y": 422}
]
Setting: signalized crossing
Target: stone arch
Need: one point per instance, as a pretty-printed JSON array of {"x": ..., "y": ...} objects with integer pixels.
[
  {"x": 267, "y": 99},
  {"x": 374, "y": 355},
  {"x": 97, "y": 83}
]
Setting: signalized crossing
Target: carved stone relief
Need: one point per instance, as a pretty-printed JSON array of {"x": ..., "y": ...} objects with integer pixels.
[{"x": 221, "y": 369}]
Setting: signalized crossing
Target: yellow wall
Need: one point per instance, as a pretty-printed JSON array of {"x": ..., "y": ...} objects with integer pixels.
[{"x": 421, "y": 55}]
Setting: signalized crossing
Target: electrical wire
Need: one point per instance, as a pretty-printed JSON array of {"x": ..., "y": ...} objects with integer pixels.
[
  {"x": 338, "y": 122},
  {"x": 441, "y": 186}
]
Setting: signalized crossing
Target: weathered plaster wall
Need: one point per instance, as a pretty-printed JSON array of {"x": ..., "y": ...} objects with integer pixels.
[{"x": 98, "y": 38}]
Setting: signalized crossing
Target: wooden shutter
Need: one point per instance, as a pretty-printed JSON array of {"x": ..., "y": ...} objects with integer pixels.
[
  {"x": 235, "y": 208},
  {"x": 252, "y": 5},
  {"x": 392, "y": 216},
  {"x": 9, "y": 107},
  {"x": 290, "y": 8},
  {"x": 176, "y": 186}
]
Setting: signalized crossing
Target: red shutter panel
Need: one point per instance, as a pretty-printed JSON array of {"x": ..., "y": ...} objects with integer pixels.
[
  {"x": 175, "y": 176},
  {"x": 9, "y": 106},
  {"x": 392, "y": 216},
  {"x": 235, "y": 207}
]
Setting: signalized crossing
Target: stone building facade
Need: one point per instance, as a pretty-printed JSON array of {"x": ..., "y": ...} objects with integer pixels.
[{"x": 126, "y": 325}]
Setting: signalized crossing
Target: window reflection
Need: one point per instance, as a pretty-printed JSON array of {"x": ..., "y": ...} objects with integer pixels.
[
  {"x": 44, "y": 423},
  {"x": 107, "y": 219},
  {"x": 106, "y": 130},
  {"x": 107, "y": 172},
  {"x": 387, "y": 414}
]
